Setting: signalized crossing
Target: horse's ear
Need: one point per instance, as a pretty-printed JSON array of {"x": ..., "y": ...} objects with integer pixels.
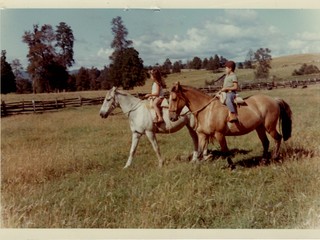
[{"x": 176, "y": 87}]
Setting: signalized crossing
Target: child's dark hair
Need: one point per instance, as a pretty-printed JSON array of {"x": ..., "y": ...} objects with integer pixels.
[
  {"x": 157, "y": 76},
  {"x": 231, "y": 64}
]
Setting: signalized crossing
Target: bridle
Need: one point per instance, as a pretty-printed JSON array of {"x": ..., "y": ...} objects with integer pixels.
[
  {"x": 193, "y": 112},
  {"x": 115, "y": 104}
]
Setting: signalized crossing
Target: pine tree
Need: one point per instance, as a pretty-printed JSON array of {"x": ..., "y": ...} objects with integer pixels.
[
  {"x": 8, "y": 82},
  {"x": 126, "y": 68}
]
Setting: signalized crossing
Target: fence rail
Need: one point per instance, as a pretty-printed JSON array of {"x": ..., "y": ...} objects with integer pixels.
[
  {"x": 265, "y": 85},
  {"x": 33, "y": 106}
]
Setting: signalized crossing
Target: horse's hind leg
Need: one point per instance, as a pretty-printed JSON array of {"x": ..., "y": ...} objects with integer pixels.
[
  {"x": 152, "y": 138},
  {"x": 203, "y": 145},
  {"x": 134, "y": 143},
  {"x": 277, "y": 138},
  {"x": 264, "y": 139},
  {"x": 224, "y": 148}
]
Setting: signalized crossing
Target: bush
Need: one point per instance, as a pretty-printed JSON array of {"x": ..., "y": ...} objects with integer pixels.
[{"x": 306, "y": 69}]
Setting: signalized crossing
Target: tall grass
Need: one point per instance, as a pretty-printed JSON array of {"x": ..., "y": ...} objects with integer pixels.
[{"x": 64, "y": 170}]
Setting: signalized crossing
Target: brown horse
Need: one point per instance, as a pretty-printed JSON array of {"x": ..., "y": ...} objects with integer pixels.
[{"x": 259, "y": 112}]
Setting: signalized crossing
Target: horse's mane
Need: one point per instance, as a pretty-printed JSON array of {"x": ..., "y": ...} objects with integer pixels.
[{"x": 185, "y": 87}]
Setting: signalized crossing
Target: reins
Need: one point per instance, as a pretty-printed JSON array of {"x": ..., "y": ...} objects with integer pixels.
[
  {"x": 131, "y": 110},
  {"x": 200, "y": 109}
]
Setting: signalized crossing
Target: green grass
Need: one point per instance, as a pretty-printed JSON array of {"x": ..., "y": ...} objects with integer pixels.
[{"x": 64, "y": 170}]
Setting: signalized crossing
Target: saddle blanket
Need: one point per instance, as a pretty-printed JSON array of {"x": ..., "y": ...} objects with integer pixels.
[{"x": 223, "y": 96}]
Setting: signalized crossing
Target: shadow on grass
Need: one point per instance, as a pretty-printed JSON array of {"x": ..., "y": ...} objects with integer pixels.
[{"x": 287, "y": 154}]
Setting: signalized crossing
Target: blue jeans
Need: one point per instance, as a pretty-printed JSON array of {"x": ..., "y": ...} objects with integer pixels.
[{"x": 229, "y": 101}]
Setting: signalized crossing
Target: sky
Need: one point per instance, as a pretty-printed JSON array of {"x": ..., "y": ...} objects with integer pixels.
[{"x": 177, "y": 34}]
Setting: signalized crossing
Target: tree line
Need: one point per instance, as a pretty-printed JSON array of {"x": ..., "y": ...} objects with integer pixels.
[{"x": 51, "y": 54}]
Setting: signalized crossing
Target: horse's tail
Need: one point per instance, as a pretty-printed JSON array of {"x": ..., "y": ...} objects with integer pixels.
[{"x": 285, "y": 119}]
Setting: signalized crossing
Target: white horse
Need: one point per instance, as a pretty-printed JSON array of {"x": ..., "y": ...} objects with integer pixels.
[{"x": 141, "y": 117}]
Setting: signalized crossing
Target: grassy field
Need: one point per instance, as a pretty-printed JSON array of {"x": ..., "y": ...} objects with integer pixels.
[{"x": 64, "y": 170}]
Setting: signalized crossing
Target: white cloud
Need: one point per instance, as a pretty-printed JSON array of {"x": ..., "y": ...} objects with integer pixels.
[
  {"x": 310, "y": 36},
  {"x": 231, "y": 36},
  {"x": 305, "y": 42},
  {"x": 105, "y": 52},
  {"x": 296, "y": 44}
]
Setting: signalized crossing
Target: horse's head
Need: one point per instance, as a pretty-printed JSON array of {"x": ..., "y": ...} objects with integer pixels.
[
  {"x": 176, "y": 102},
  {"x": 109, "y": 103}
]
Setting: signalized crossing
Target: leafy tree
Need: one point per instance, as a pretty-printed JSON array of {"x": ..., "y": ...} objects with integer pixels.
[
  {"x": 23, "y": 85},
  {"x": 166, "y": 67},
  {"x": 196, "y": 63},
  {"x": 57, "y": 76},
  {"x": 94, "y": 74},
  {"x": 126, "y": 68},
  {"x": 50, "y": 53},
  {"x": 104, "y": 79},
  {"x": 263, "y": 58},
  {"x": 248, "y": 63},
  {"x": 65, "y": 39},
  {"x": 222, "y": 61},
  {"x": 177, "y": 66},
  {"x": 82, "y": 79},
  {"x": 205, "y": 63},
  {"x": 17, "y": 68},
  {"x": 8, "y": 82},
  {"x": 120, "y": 33},
  {"x": 72, "y": 83},
  {"x": 214, "y": 63}
]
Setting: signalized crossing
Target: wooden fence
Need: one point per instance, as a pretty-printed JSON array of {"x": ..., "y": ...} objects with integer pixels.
[
  {"x": 264, "y": 85},
  {"x": 13, "y": 108},
  {"x": 33, "y": 106}
]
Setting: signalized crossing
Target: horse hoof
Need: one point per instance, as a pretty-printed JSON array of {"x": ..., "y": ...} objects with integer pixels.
[
  {"x": 207, "y": 157},
  {"x": 263, "y": 162},
  {"x": 232, "y": 167}
]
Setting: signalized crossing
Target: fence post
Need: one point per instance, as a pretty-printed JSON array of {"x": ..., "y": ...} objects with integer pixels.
[
  {"x": 80, "y": 100},
  {"x": 3, "y": 108},
  {"x": 34, "y": 105}
]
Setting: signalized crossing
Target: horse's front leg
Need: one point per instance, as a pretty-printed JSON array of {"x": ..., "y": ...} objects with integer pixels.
[
  {"x": 152, "y": 138},
  {"x": 134, "y": 143},
  {"x": 194, "y": 137}
]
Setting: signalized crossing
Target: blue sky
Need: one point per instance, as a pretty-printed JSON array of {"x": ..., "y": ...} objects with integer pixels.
[{"x": 177, "y": 34}]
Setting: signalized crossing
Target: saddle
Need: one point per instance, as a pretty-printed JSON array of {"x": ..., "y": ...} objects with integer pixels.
[{"x": 223, "y": 96}]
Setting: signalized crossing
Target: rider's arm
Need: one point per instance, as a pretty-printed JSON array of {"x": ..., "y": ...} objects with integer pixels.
[{"x": 233, "y": 88}]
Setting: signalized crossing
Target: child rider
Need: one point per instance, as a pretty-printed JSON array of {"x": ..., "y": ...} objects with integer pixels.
[{"x": 230, "y": 86}]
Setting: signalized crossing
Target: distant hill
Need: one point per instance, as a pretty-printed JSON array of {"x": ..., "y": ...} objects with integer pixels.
[{"x": 297, "y": 59}]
